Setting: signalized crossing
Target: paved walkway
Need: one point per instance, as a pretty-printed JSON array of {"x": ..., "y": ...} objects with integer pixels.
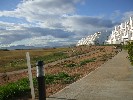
[{"x": 112, "y": 81}]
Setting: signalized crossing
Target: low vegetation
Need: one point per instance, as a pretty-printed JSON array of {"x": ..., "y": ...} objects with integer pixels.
[
  {"x": 51, "y": 57},
  {"x": 71, "y": 65},
  {"x": 15, "y": 89},
  {"x": 58, "y": 74},
  {"x": 21, "y": 87},
  {"x": 16, "y": 60},
  {"x": 129, "y": 47},
  {"x": 60, "y": 77},
  {"x": 84, "y": 62}
]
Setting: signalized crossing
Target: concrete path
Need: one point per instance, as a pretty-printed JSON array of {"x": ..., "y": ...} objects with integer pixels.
[{"x": 112, "y": 81}]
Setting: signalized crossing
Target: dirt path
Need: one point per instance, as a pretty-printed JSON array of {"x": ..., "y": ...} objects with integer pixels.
[{"x": 112, "y": 81}]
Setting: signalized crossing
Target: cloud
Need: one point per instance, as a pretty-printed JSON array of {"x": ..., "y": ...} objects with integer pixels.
[
  {"x": 11, "y": 33},
  {"x": 57, "y": 33},
  {"x": 40, "y": 10},
  {"x": 85, "y": 24},
  {"x": 38, "y": 36},
  {"x": 50, "y": 22},
  {"x": 127, "y": 15},
  {"x": 43, "y": 41},
  {"x": 116, "y": 14}
]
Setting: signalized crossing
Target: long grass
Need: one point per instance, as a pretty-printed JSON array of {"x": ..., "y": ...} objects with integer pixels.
[{"x": 16, "y": 60}]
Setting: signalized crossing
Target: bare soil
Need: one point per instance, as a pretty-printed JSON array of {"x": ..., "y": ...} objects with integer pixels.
[{"x": 101, "y": 53}]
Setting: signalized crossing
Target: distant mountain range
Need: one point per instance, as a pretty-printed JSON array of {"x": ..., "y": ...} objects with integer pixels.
[
  {"x": 22, "y": 47},
  {"x": 18, "y": 47},
  {"x": 101, "y": 40}
]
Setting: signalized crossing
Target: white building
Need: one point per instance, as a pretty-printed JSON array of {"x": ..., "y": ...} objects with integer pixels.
[
  {"x": 121, "y": 33},
  {"x": 89, "y": 40}
]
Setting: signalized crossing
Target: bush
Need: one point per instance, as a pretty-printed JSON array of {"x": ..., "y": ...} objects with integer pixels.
[
  {"x": 71, "y": 65},
  {"x": 50, "y": 79},
  {"x": 16, "y": 89},
  {"x": 62, "y": 76},
  {"x": 130, "y": 51},
  {"x": 84, "y": 62},
  {"x": 21, "y": 87}
]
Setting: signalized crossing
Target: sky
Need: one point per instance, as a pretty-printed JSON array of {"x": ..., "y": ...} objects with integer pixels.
[{"x": 52, "y": 23}]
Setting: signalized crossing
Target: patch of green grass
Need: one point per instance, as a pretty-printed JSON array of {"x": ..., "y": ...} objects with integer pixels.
[
  {"x": 51, "y": 57},
  {"x": 84, "y": 62},
  {"x": 15, "y": 59},
  {"x": 21, "y": 87},
  {"x": 62, "y": 76},
  {"x": 21, "y": 64},
  {"x": 50, "y": 79},
  {"x": 130, "y": 51},
  {"x": 15, "y": 89},
  {"x": 71, "y": 65}
]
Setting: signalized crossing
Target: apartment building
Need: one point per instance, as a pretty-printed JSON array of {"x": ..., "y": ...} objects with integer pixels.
[
  {"x": 121, "y": 33},
  {"x": 89, "y": 40}
]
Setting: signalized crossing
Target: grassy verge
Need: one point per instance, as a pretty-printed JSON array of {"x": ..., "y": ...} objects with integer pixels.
[
  {"x": 21, "y": 64},
  {"x": 51, "y": 57},
  {"x": 129, "y": 47},
  {"x": 15, "y": 59},
  {"x": 16, "y": 89},
  {"x": 21, "y": 87}
]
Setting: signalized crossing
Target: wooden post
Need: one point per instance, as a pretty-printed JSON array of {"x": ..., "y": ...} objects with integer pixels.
[{"x": 30, "y": 76}]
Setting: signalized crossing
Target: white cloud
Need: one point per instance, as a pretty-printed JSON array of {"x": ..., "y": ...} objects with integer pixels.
[
  {"x": 33, "y": 41},
  {"x": 12, "y": 26},
  {"x": 67, "y": 34},
  {"x": 127, "y": 15},
  {"x": 14, "y": 32},
  {"x": 40, "y": 10},
  {"x": 86, "y": 24},
  {"x": 117, "y": 15},
  {"x": 42, "y": 41},
  {"x": 51, "y": 22}
]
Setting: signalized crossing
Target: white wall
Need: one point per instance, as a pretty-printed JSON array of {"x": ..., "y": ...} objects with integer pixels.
[{"x": 121, "y": 33}]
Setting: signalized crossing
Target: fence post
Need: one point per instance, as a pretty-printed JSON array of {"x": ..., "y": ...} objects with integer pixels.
[
  {"x": 30, "y": 76},
  {"x": 41, "y": 80}
]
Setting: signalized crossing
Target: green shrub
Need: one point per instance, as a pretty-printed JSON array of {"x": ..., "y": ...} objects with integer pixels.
[
  {"x": 71, "y": 65},
  {"x": 21, "y": 87},
  {"x": 62, "y": 76},
  {"x": 84, "y": 62},
  {"x": 130, "y": 51},
  {"x": 68, "y": 80},
  {"x": 50, "y": 79},
  {"x": 15, "y": 89}
]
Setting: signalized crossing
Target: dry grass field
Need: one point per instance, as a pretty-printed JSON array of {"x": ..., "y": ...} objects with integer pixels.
[{"x": 16, "y": 59}]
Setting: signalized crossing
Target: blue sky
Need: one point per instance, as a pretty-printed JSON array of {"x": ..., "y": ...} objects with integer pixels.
[
  {"x": 8, "y": 4},
  {"x": 58, "y": 22}
]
